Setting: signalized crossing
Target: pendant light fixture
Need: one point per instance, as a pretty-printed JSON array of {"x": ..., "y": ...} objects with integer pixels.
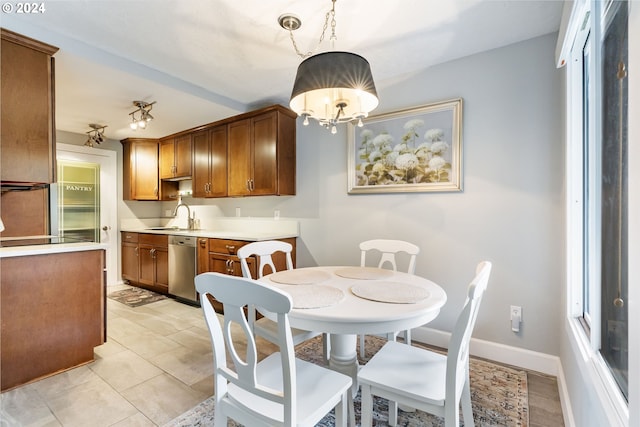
[
  {"x": 144, "y": 115},
  {"x": 331, "y": 87},
  {"x": 95, "y": 135}
]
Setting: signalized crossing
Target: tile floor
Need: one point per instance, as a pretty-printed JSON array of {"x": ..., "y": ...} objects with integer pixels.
[{"x": 156, "y": 365}]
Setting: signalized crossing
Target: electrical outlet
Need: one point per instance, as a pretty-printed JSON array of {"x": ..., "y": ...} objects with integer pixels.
[{"x": 516, "y": 318}]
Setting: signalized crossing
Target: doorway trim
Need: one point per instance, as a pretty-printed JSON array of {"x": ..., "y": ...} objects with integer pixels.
[{"x": 107, "y": 159}]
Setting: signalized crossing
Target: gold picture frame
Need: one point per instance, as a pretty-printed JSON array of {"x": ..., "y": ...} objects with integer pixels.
[{"x": 413, "y": 150}]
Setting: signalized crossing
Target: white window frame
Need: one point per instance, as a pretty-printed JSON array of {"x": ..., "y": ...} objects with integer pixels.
[{"x": 588, "y": 344}]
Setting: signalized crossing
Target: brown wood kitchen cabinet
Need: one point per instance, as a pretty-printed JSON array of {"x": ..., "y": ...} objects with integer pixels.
[
  {"x": 262, "y": 153},
  {"x": 27, "y": 110},
  {"x": 153, "y": 256},
  {"x": 175, "y": 157},
  {"x": 140, "y": 176},
  {"x": 129, "y": 254},
  {"x": 210, "y": 162},
  {"x": 140, "y": 169},
  {"x": 219, "y": 256}
]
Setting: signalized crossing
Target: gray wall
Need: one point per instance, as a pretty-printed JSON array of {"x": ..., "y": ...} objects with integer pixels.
[{"x": 511, "y": 211}]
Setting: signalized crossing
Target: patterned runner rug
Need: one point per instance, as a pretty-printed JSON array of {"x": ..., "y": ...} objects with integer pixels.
[
  {"x": 135, "y": 297},
  {"x": 498, "y": 394}
]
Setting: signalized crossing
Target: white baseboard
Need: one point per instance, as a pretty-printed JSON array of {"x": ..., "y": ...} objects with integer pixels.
[
  {"x": 523, "y": 358},
  {"x": 531, "y": 360}
]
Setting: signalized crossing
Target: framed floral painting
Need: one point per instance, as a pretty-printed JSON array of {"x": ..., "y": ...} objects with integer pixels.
[{"x": 414, "y": 150}]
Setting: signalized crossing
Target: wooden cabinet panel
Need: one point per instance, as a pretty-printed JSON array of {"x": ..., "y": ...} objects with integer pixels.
[
  {"x": 166, "y": 159},
  {"x": 129, "y": 256},
  {"x": 240, "y": 158},
  {"x": 175, "y": 157},
  {"x": 140, "y": 169},
  {"x": 210, "y": 162},
  {"x": 147, "y": 265},
  {"x": 27, "y": 130},
  {"x": 161, "y": 283},
  {"x": 264, "y": 154},
  {"x": 200, "y": 178},
  {"x": 52, "y": 313},
  {"x": 183, "y": 156}
]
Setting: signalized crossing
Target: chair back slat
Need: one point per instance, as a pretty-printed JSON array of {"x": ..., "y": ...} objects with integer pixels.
[
  {"x": 389, "y": 249},
  {"x": 234, "y": 293},
  {"x": 264, "y": 251},
  {"x": 458, "y": 352}
]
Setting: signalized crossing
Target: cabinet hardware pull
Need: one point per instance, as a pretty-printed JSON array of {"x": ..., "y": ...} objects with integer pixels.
[
  {"x": 136, "y": 251},
  {"x": 248, "y": 185},
  {"x": 231, "y": 249},
  {"x": 253, "y": 185},
  {"x": 203, "y": 243}
]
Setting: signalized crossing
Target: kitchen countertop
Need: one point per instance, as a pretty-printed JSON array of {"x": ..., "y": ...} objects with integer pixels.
[
  {"x": 249, "y": 229},
  {"x": 50, "y": 249},
  {"x": 252, "y": 236}
]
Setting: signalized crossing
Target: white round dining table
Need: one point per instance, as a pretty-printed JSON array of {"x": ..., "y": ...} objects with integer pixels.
[{"x": 348, "y": 301}]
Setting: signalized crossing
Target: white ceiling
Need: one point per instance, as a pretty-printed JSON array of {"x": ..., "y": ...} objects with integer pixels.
[{"x": 204, "y": 60}]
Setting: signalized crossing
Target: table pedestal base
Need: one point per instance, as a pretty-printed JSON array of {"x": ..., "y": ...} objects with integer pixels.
[{"x": 344, "y": 357}]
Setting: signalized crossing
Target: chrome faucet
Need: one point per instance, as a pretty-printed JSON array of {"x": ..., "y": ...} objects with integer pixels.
[{"x": 189, "y": 219}]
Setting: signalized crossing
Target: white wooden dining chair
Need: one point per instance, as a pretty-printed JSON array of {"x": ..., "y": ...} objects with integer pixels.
[
  {"x": 388, "y": 250},
  {"x": 423, "y": 379},
  {"x": 280, "y": 390},
  {"x": 265, "y": 327}
]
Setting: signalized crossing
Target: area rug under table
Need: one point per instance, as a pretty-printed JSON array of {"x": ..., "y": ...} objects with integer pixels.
[
  {"x": 499, "y": 396},
  {"x": 135, "y": 297}
]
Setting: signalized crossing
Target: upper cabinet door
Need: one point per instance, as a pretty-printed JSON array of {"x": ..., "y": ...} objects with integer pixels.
[
  {"x": 167, "y": 158},
  {"x": 140, "y": 169},
  {"x": 265, "y": 150},
  {"x": 201, "y": 170},
  {"x": 175, "y": 157},
  {"x": 218, "y": 162},
  {"x": 240, "y": 158},
  {"x": 182, "y": 156},
  {"x": 27, "y": 108}
]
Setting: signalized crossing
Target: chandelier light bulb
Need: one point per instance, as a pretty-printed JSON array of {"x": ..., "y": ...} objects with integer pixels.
[
  {"x": 334, "y": 130},
  {"x": 306, "y": 120}
]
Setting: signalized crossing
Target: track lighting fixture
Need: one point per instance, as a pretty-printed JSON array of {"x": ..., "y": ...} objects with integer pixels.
[
  {"x": 96, "y": 135},
  {"x": 144, "y": 117}
]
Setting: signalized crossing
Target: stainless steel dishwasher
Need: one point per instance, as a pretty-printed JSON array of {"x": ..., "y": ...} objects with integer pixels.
[{"x": 182, "y": 268}]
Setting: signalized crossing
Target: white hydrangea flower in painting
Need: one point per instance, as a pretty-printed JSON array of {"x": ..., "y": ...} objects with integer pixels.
[
  {"x": 400, "y": 148},
  {"x": 384, "y": 139},
  {"x": 437, "y": 163},
  {"x": 390, "y": 159},
  {"x": 407, "y": 161},
  {"x": 374, "y": 156},
  {"x": 413, "y": 124},
  {"x": 434, "y": 135},
  {"x": 439, "y": 147}
]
